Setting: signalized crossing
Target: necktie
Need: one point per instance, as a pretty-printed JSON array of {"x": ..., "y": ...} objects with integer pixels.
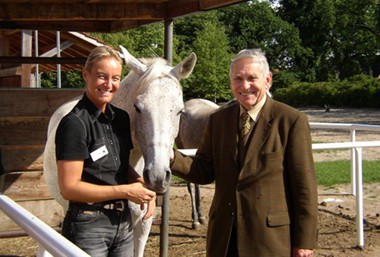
[{"x": 246, "y": 126}]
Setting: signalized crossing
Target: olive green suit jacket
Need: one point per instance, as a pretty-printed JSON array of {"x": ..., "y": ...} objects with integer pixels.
[{"x": 272, "y": 196}]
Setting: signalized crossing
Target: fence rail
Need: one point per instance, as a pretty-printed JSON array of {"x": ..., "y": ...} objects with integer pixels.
[{"x": 46, "y": 236}]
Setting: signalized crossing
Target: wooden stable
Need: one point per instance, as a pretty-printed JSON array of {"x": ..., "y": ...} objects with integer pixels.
[
  {"x": 25, "y": 54},
  {"x": 25, "y": 112},
  {"x": 24, "y": 118}
]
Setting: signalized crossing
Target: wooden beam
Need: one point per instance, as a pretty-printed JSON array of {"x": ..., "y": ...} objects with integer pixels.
[
  {"x": 54, "y": 51},
  {"x": 23, "y": 157},
  {"x": 49, "y": 211},
  {"x": 72, "y": 25},
  {"x": 34, "y": 102},
  {"x": 4, "y": 45},
  {"x": 214, "y": 4},
  {"x": 181, "y": 8},
  {"x": 81, "y": 11},
  {"x": 10, "y": 71},
  {"x": 42, "y": 60},
  {"x": 97, "y": 15}
]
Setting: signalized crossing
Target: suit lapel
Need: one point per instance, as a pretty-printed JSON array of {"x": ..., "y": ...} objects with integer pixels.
[
  {"x": 261, "y": 132},
  {"x": 232, "y": 130}
]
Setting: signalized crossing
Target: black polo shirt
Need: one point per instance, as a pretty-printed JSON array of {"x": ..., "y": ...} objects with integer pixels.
[{"x": 102, "y": 140}]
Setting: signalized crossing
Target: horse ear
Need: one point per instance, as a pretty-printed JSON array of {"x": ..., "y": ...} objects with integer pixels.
[
  {"x": 132, "y": 63},
  {"x": 185, "y": 68}
]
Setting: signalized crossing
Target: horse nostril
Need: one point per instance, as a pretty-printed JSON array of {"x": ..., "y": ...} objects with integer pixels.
[{"x": 167, "y": 178}]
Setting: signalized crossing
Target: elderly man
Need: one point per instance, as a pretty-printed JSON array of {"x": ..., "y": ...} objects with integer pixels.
[{"x": 265, "y": 201}]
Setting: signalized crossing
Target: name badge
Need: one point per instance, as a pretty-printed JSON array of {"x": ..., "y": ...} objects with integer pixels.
[{"x": 99, "y": 153}]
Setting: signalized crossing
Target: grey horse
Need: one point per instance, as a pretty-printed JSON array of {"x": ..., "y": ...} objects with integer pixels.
[{"x": 192, "y": 122}]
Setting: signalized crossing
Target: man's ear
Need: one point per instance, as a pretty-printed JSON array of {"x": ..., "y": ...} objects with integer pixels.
[
  {"x": 84, "y": 74},
  {"x": 268, "y": 85}
]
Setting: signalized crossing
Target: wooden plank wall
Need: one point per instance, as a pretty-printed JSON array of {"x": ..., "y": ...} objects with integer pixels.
[{"x": 24, "y": 118}]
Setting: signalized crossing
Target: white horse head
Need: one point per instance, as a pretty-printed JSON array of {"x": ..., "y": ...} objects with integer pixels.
[{"x": 152, "y": 95}]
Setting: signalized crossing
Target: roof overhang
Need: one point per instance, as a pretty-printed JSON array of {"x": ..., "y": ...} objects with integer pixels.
[{"x": 97, "y": 15}]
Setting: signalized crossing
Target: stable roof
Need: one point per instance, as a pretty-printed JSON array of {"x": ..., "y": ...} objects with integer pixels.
[{"x": 97, "y": 15}]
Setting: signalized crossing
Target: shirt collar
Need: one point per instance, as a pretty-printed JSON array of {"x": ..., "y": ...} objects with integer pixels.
[
  {"x": 95, "y": 112},
  {"x": 254, "y": 112}
]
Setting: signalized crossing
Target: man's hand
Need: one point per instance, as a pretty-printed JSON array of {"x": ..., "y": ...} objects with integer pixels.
[{"x": 297, "y": 252}]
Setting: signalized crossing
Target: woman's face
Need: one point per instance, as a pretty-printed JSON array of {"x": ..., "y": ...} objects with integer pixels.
[
  {"x": 248, "y": 82},
  {"x": 102, "y": 81}
]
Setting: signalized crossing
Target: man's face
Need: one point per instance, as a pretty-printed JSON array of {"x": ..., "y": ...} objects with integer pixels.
[
  {"x": 248, "y": 83},
  {"x": 102, "y": 81}
]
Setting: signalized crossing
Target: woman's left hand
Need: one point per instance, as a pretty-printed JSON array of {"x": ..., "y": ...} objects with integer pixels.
[{"x": 151, "y": 207}]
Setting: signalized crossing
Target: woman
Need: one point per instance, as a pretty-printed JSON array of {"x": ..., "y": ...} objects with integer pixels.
[{"x": 93, "y": 144}]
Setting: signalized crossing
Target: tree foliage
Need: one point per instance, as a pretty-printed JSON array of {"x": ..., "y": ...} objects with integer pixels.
[
  {"x": 212, "y": 70},
  {"x": 304, "y": 41},
  {"x": 205, "y": 35},
  {"x": 343, "y": 35}
]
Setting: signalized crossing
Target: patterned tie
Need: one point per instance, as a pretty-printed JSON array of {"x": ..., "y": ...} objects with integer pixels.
[{"x": 246, "y": 126}]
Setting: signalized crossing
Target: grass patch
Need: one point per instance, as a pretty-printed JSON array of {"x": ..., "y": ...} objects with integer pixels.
[
  {"x": 177, "y": 180},
  {"x": 339, "y": 172}
]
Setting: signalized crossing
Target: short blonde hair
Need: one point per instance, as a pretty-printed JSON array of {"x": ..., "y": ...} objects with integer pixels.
[{"x": 101, "y": 52}]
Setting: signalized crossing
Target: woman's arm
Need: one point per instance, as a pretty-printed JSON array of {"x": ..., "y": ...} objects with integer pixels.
[{"x": 74, "y": 189}]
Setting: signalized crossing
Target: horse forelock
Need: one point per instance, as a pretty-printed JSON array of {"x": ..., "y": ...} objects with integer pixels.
[{"x": 158, "y": 68}]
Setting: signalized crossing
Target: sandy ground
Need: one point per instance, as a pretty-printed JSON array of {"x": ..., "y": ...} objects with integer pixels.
[{"x": 337, "y": 208}]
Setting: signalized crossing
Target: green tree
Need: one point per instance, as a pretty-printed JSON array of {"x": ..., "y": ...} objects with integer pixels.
[
  {"x": 342, "y": 35},
  {"x": 356, "y": 37},
  {"x": 145, "y": 41},
  {"x": 186, "y": 29},
  {"x": 257, "y": 25},
  {"x": 211, "y": 75},
  {"x": 69, "y": 79},
  {"x": 205, "y": 35}
]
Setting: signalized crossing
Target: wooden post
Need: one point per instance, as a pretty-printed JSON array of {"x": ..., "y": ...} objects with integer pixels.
[{"x": 26, "y": 50}]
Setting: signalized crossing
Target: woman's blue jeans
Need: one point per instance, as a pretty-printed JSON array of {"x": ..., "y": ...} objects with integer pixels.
[{"x": 101, "y": 232}]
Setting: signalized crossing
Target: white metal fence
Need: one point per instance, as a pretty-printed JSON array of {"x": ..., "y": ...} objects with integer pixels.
[
  {"x": 59, "y": 246},
  {"x": 356, "y": 163},
  {"x": 46, "y": 236}
]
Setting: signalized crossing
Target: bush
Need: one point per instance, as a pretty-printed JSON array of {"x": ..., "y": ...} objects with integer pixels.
[{"x": 358, "y": 91}]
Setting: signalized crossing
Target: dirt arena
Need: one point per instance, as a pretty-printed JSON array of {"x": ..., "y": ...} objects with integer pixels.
[{"x": 337, "y": 225}]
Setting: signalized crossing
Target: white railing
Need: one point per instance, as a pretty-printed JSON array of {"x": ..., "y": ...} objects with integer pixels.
[
  {"x": 47, "y": 237},
  {"x": 352, "y": 128},
  {"x": 356, "y": 163},
  {"x": 58, "y": 245}
]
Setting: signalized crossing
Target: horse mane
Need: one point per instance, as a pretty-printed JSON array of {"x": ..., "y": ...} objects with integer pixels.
[{"x": 157, "y": 68}]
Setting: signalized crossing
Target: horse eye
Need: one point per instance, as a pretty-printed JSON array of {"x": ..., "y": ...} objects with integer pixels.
[{"x": 137, "y": 108}]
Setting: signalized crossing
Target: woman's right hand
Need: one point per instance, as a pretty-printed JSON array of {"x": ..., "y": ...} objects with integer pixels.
[{"x": 139, "y": 194}]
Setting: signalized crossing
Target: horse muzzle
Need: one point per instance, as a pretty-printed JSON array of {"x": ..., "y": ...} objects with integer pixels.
[{"x": 158, "y": 182}]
